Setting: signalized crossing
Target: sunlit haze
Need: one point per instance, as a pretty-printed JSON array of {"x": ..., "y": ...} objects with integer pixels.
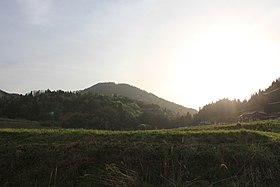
[{"x": 188, "y": 52}]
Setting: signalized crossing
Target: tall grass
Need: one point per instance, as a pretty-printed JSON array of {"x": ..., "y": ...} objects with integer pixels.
[{"x": 217, "y": 155}]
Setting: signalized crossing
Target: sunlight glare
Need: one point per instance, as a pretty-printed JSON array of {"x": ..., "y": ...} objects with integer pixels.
[{"x": 220, "y": 61}]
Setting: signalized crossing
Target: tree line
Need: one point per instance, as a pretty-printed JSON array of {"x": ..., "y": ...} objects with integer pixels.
[
  {"x": 76, "y": 110},
  {"x": 226, "y": 110}
]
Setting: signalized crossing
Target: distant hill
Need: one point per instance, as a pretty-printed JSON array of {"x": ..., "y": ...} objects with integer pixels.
[
  {"x": 262, "y": 104},
  {"x": 2, "y": 93},
  {"x": 111, "y": 88}
]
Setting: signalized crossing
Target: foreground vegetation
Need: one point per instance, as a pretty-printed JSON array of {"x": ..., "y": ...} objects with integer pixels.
[{"x": 217, "y": 155}]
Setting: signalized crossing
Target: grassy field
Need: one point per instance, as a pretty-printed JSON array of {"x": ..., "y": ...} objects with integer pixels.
[
  {"x": 215, "y": 155},
  {"x": 19, "y": 123}
]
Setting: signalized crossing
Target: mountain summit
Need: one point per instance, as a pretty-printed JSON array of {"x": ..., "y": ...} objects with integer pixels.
[{"x": 126, "y": 90}]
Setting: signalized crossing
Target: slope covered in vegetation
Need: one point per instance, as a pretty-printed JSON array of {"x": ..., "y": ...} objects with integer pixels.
[
  {"x": 125, "y": 90},
  {"x": 2, "y": 93},
  {"x": 76, "y": 110},
  {"x": 225, "y": 110}
]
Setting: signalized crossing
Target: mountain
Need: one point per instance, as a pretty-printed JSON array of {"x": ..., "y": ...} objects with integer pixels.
[
  {"x": 126, "y": 90},
  {"x": 2, "y": 93},
  {"x": 264, "y": 101}
]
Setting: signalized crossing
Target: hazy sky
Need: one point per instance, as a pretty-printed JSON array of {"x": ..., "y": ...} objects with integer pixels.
[{"x": 189, "y": 52}]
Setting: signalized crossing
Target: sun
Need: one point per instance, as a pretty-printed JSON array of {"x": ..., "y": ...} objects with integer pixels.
[{"x": 221, "y": 63}]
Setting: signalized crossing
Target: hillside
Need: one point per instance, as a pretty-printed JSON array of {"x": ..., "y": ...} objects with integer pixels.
[
  {"x": 76, "y": 110},
  {"x": 225, "y": 110},
  {"x": 2, "y": 93},
  {"x": 135, "y": 93}
]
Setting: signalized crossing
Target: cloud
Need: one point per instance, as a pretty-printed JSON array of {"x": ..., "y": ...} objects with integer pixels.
[{"x": 36, "y": 12}]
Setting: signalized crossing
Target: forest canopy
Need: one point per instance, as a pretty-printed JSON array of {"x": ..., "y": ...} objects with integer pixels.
[{"x": 76, "y": 110}]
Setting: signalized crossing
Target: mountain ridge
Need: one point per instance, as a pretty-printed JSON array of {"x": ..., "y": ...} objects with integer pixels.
[
  {"x": 2, "y": 93},
  {"x": 135, "y": 93}
]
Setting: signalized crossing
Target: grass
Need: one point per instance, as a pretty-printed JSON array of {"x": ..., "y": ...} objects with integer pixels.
[
  {"x": 267, "y": 126},
  {"x": 18, "y": 123},
  {"x": 217, "y": 155}
]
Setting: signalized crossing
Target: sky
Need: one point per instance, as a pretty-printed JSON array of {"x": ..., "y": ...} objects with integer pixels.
[{"x": 188, "y": 52}]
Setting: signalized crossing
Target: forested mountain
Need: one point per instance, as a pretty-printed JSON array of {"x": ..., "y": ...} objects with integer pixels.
[
  {"x": 226, "y": 110},
  {"x": 2, "y": 93},
  {"x": 135, "y": 93},
  {"x": 5, "y": 94},
  {"x": 76, "y": 110}
]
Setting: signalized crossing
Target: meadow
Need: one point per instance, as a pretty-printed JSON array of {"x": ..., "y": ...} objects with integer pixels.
[{"x": 246, "y": 154}]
